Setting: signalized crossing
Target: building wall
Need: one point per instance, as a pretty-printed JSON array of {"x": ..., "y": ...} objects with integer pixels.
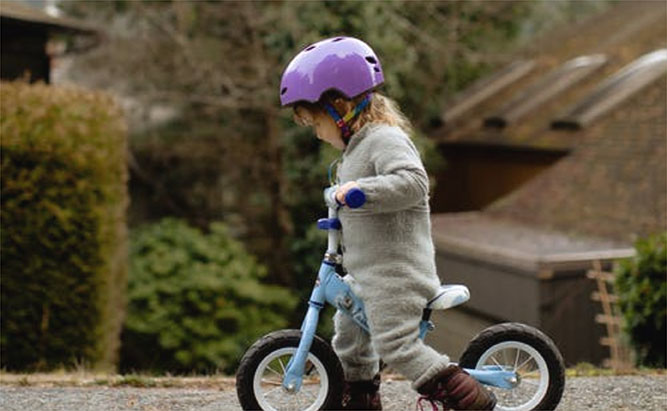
[
  {"x": 558, "y": 303},
  {"x": 496, "y": 292},
  {"x": 568, "y": 317},
  {"x": 475, "y": 176}
]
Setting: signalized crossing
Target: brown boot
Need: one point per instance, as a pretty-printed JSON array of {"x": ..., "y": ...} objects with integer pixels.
[
  {"x": 456, "y": 389},
  {"x": 362, "y": 395}
]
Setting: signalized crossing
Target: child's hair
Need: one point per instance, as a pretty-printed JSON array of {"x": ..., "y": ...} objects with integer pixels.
[{"x": 381, "y": 109}]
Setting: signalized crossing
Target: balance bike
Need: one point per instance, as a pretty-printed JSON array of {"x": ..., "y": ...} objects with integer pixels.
[{"x": 297, "y": 370}]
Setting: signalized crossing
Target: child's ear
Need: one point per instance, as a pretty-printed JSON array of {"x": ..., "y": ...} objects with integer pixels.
[
  {"x": 303, "y": 116},
  {"x": 341, "y": 103}
]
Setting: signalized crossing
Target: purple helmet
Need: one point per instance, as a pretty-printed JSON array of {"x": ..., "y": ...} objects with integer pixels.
[{"x": 345, "y": 64}]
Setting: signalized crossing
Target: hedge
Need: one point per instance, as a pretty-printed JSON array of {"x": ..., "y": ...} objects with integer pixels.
[
  {"x": 642, "y": 287},
  {"x": 64, "y": 237},
  {"x": 196, "y": 300}
]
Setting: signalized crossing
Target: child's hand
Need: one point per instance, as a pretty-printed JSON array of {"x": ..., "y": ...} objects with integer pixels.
[{"x": 342, "y": 190}]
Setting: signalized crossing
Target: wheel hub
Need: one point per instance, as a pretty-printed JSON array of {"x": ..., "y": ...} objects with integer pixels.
[
  {"x": 290, "y": 389},
  {"x": 514, "y": 381}
]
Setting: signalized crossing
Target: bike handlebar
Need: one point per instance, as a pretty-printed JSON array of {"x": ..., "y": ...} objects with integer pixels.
[{"x": 355, "y": 198}]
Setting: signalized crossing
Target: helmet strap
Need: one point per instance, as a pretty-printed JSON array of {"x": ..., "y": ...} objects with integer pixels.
[{"x": 343, "y": 122}]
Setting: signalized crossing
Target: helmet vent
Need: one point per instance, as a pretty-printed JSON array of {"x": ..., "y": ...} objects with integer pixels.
[
  {"x": 337, "y": 39},
  {"x": 377, "y": 69},
  {"x": 310, "y": 48},
  {"x": 283, "y": 91},
  {"x": 371, "y": 60}
]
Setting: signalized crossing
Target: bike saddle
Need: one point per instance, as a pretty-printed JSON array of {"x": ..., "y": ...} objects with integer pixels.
[{"x": 449, "y": 296}]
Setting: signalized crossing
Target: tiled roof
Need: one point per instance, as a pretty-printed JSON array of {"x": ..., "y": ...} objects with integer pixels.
[
  {"x": 622, "y": 34},
  {"x": 546, "y": 88},
  {"x": 614, "y": 91},
  {"x": 592, "y": 204},
  {"x": 613, "y": 185},
  {"x": 610, "y": 189}
]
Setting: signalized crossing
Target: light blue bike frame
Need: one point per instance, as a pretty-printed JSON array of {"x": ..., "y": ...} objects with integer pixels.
[{"x": 331, "y": 288}]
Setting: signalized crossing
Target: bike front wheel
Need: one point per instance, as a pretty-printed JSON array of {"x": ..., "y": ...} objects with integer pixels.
[
  {"x": 530, "y": 354},
  {"x": 260, "y": 375}
]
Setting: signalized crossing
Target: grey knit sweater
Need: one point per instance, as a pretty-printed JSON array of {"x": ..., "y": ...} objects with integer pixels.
[
  {"x": 391, "y": 234},
  {"x": 389, "y": 252}
]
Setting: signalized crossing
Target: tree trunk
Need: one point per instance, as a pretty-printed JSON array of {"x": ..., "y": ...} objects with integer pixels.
[{"x": 281, "y": 227}]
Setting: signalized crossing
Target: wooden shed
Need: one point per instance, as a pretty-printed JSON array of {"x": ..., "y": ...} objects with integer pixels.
[
  {"x": 559, "y": 164},
  {"x": 520, "y": 272},
  {"x": 26, "y": 31}
]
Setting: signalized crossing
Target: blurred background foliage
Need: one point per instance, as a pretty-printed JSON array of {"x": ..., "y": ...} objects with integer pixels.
[
  {"x": 195, "y": 299},
  {"x": 209, "y": 142}
]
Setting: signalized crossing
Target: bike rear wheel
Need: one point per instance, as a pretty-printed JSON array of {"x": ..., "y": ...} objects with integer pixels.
[
  {"x": 526, "y": 351},
  {"x": 260, "y": 375}
]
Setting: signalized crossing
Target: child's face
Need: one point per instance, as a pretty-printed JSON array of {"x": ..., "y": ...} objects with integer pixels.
[{"x": 325, "y": 128}]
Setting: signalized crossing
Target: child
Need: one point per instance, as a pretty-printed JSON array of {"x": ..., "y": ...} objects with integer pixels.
[{"x": 387, "y": 243}]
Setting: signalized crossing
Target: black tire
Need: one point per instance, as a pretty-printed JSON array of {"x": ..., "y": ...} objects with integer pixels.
[
  {"x": 270, "y": 344},
  {"x": 521, "y": 333}
]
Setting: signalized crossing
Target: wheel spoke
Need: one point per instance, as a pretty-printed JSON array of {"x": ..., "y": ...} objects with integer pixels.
[
  {"x": 532, "y": 374},
  {"x": 523, "y": 357},
  {"x": 523, "y": 363},
  {"x": 275, "y": 372},
  {"x": 531, "y": 370},
  {"x": 266, "y": 394},
  {"x": 493, "y": 358},
  {"x": 269, "y": 376},
  {"x": 529, "y": 382},
  {"x": 298, "y": 403}
]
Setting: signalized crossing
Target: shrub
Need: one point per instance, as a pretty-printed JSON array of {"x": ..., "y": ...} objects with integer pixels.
[
  {"x": 63, "y": 192},
  {"x": 195, "y": 300},
  {"x": 642, "y": 291}
]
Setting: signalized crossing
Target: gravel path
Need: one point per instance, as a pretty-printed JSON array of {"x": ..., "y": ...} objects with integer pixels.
[{"x": 646, "y": 392}]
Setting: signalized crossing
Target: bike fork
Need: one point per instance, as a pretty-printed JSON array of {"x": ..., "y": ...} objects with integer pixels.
[{"x": 295, "y": 368}]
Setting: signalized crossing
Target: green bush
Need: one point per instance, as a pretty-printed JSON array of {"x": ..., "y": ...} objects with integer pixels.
[
  {"x": 195, "y": 300},
  {"x": 642, "y": 288},
  {"x": 64, "y": 253}
]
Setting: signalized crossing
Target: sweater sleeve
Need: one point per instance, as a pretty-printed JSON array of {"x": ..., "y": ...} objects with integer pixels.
[{"x": 401, "y": 181}]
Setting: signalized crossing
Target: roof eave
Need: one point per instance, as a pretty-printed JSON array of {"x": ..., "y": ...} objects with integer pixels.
[
  {"x": 20, "y": 14},
  {"x": 528, "y": 263}
]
